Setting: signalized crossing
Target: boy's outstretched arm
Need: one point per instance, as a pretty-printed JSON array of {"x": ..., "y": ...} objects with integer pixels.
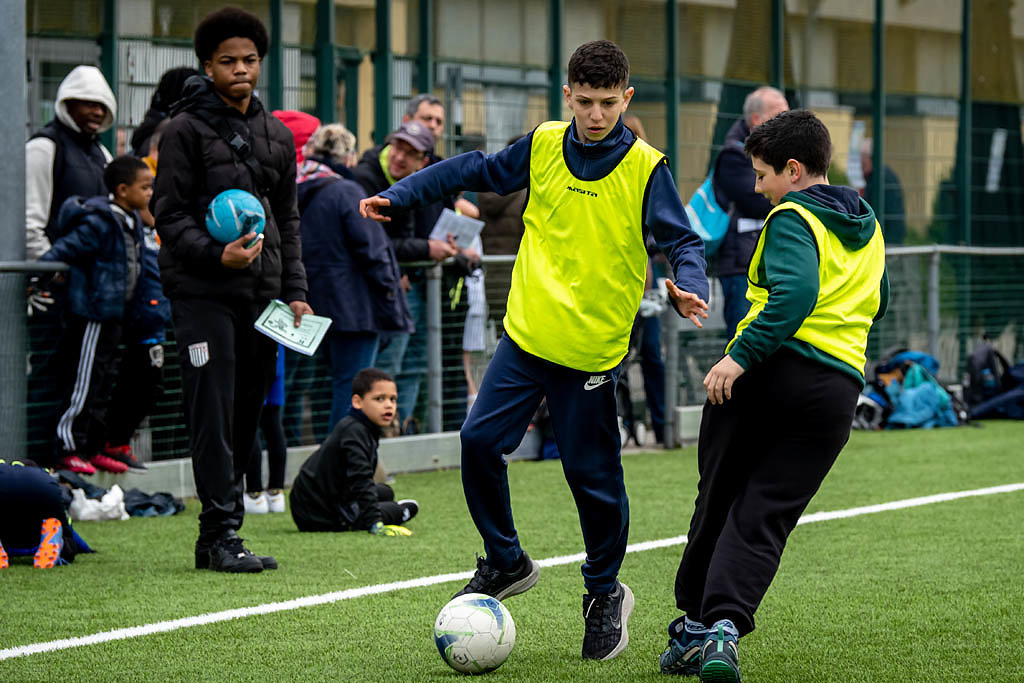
[
  {"x": 666, "y": 219},
  {"x": 502, "y": 172}
]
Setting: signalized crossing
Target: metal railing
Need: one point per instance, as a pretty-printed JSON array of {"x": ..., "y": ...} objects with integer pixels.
[{"x": 945, "y": 298}]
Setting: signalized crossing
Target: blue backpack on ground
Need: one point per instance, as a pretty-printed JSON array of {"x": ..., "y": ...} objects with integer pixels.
[
  {"x": 995, "y": 388},
  {"x": 905, "y": 394}
]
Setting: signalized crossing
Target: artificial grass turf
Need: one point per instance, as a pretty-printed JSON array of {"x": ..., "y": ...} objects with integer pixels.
[{"x": 904, "y": 595}]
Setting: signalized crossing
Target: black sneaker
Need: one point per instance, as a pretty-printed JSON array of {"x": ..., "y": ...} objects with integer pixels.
[
  {"x": 499, "y": 584},
  {"x": 720, "y": 660},
  {"x": 682, "y": 657},
  {"x": 409, "y": 509},
  {"x": 205, "y": 553},
  {"x": 606, "y": 616}
]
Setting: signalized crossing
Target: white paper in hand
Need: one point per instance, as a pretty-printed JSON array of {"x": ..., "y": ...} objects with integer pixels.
[
  {"x": 277, "y": 321},
  {"x": 464, "y": 228}
]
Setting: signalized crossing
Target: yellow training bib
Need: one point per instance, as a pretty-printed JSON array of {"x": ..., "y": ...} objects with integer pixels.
[{"x": 582, "y": 264}]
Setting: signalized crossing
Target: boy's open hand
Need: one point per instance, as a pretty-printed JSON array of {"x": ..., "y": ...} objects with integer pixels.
[
  {"x": 236, "y": 256},
  {"x": 720, "y": 379},
  {"x": 370, "y": 208},
  {"x": 690, "y": 306}
]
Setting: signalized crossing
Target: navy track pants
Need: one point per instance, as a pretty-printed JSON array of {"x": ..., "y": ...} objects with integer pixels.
[{"x": 582, "y": 408}]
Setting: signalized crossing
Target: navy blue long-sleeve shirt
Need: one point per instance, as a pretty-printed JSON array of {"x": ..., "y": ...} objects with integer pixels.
[{"x": 508, "y": 170}]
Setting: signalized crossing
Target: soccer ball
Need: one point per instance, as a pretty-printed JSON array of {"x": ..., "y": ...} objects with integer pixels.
[
  {"x": 474, "y": 633},
  {"x": 234, "y": 213}
]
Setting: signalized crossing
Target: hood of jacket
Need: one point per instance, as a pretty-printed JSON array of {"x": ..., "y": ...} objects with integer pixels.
[
  {"x": 198, "y": 96},
  {"x": 842, "y": 211},
  {"x": 85, "y": 83}
]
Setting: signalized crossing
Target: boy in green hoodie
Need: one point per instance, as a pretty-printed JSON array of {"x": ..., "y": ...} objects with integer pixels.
[{"x": 781, "y": 401}]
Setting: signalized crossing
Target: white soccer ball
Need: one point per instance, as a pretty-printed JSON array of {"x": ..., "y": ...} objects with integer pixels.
[{"x": 474, "y": 633}]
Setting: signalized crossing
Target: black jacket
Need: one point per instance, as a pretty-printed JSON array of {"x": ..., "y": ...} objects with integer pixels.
[
  {"x": 334, "y": 489},
  {"x": 734, "y": 190},
  {"x": 409, "y": 229},
  {"x": 77, "y": 169},
  {"x": 196, "y": 164}
]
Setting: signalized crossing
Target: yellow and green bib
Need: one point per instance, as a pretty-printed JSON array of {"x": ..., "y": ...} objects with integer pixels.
[
  {"x": 848, "y": 291},
  {"x": 579, "y": 276}
]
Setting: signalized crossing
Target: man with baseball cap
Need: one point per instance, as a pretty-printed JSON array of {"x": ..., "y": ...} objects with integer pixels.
[{"x": 403, "y": 153}]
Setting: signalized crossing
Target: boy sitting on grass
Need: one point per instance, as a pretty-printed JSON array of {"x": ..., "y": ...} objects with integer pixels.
[
  {"x": 781, "y": 401},
  {"x": 334, "y": 490}
]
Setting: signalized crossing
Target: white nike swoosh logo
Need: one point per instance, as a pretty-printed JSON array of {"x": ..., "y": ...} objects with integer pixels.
[{"x": 592, "y": 384}]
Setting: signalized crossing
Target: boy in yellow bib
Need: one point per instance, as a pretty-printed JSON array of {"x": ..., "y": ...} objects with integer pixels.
[
  {"x": 780, "y": 403},
  {"x": 594, "y": 192}
]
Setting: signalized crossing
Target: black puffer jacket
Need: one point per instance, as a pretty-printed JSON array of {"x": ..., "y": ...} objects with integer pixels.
[{"x": 196, "y": 164}]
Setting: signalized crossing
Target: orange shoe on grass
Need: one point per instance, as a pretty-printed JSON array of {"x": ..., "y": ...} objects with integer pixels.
[
  {"x": 50, "y": 545},
  {"x": 4, "y": 563}
]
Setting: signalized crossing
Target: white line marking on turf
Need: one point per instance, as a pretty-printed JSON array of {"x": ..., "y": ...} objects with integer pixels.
[{"x": 422, "y": 582}]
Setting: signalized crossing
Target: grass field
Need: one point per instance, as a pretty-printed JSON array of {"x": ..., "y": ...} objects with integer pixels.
[{"x": 928, "y": 593}]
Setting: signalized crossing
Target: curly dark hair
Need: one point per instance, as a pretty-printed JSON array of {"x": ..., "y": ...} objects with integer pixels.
[
  {"x": 122, "y": 170},
  {"x": 599, "y": 64},
  {"x": 229, "y": 22},
  {"x": 364, "y": 380},
  {"x": 796, "y": 134}
]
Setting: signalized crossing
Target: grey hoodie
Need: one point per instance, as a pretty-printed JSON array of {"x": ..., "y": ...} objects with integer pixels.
[{"x": 83, "y": 83}]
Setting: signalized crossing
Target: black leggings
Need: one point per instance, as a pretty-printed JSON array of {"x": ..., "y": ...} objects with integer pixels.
[
  {"x": 277, "y": 452},
  {"x": 762, "y": 456}
]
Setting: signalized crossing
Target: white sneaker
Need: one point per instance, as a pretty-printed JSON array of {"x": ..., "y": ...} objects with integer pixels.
[
  {"x": 256, "y": 503},
  {"x": 275, "y": 501}
]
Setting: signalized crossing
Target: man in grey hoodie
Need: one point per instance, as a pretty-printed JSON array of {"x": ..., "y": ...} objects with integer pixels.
[{"x": 63, "y": 159}]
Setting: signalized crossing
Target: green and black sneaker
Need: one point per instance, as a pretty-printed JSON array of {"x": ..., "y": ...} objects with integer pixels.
[{"x": 720, "y": 660}]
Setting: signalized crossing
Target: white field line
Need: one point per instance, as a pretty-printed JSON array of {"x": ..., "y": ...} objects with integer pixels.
[{"x": 422, "y": 582}]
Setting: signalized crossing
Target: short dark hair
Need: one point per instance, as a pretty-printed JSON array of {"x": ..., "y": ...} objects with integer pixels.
[
  {"x": 599, "y": 64},
  {"x": 122, "y": 170},
  {"x": 796, "y": 134},
  {"x": 229, "y": 22},
  {"x": 168, "y": 90},
  {"x": 364, "y": 380},
  {"x": 417, "y": 100}
]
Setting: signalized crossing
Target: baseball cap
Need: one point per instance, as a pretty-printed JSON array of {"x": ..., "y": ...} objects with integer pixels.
[{"x": 416, "y": 134}]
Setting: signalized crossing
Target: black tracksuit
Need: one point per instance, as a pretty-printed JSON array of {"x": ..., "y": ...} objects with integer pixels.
[{"x": 226, "y": 366}]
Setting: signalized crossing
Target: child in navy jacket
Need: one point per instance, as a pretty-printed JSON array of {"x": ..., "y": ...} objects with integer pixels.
[{"x": 101, "y": 241}]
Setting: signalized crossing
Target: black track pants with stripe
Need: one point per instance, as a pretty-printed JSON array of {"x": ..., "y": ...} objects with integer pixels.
[
  {"x": 227, "y": 368},
  {"x": 87, "y": 365},
  {"x": 762, "y": 456}
]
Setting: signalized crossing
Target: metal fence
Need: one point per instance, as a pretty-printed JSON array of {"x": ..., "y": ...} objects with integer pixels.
[{"x": 945, "y": 299}]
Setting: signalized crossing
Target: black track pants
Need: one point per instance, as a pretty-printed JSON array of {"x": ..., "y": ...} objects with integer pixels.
[
  {"x": 226, "y": 370},
  {"x": 762, "y": 456}
]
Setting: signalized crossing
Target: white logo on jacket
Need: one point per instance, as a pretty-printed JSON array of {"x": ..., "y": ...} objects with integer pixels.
[{"x": 199, "y": 354}]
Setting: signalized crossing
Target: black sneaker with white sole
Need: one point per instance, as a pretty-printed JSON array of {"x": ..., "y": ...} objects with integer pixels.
[
  {"x": 499, "y": 584},
  {"x": 606, "y": 616}
]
